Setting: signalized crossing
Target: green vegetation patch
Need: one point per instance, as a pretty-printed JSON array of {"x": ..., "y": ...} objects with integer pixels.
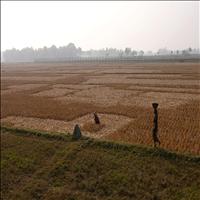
[{"x": 35, "y": 167}]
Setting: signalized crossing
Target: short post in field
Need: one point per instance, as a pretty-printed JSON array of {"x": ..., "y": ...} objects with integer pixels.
[{"x": 155, "y": 128}]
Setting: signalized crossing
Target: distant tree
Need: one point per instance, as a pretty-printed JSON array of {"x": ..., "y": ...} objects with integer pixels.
[
  {"x": 127, "y": 51},
  {"x": 71, "y": 50},
  {"x": 149, "y": 53},
  {"x": 185, "y": 52},
  {"x": 27, "y": 54},
  {"x": 79, "y": 51},
  {"x": 164, "y": 51},
  {"x": 12, "y": 55},
  {"x": 120, "y": 53},
  {"x": 52, "y": 52},
  {"x": 134, "y": 53},
  {"x": 141, "y": 53}
]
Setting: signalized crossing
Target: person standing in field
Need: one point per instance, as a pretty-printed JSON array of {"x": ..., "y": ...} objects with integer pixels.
[{"x": 155, "y": 128}]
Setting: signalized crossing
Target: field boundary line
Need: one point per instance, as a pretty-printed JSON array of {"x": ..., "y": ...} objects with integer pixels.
[{"x": 139, "y": 150}]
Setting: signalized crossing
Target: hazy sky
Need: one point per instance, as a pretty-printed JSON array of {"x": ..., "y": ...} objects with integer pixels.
[{"x": 139, "y": 25}]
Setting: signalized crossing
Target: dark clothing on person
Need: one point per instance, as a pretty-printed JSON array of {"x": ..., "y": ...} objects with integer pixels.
[
  {"x": 155, "y": 128},
  {"x": 96, "y": 119}
]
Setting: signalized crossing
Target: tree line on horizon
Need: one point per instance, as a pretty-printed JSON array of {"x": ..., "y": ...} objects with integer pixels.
[{"x": 72, "y": 52}]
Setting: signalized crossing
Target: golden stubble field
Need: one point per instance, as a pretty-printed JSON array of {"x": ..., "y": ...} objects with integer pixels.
[{"x": 56, "y": 96}]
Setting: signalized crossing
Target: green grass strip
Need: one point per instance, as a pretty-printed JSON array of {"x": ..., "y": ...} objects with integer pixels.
[{"x": 116, "y": 146}]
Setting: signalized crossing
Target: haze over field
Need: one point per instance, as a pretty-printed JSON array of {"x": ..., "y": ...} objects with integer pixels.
[
  {"x": 95, "y": 25},
  {"x": 100, "y": 100}
]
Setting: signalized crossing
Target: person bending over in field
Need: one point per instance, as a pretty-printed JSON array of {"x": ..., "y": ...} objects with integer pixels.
[
  {"x": 96, "y": 118},
  {"x": 155, "y": 128}
]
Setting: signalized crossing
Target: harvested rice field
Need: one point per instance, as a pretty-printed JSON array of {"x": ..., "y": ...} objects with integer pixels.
[
  {"x": 56, "y": 96},
  {"x": 109, "y": 124}
]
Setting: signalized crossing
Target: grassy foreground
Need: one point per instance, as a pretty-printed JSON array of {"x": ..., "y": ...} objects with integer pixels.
[{"x": 52, "y": 167}]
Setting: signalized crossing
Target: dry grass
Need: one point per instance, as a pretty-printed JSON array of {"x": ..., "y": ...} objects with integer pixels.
[
  {"x": 21, "y": 88},
  {"x": 125, "y": 79},
  {"x": 73, "y": 87},
  {"x": 167, "y": 89},
  {"x": 48, "y": 169},
  {"x": 42, "y": 107},
  {"x": 101, "y": 96},
  {"x": 92, "y": 127},
  {"x": 178, "y": 128},
  {"x": 56, "y": 92},
  {"x": 109, "y": 124}
]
